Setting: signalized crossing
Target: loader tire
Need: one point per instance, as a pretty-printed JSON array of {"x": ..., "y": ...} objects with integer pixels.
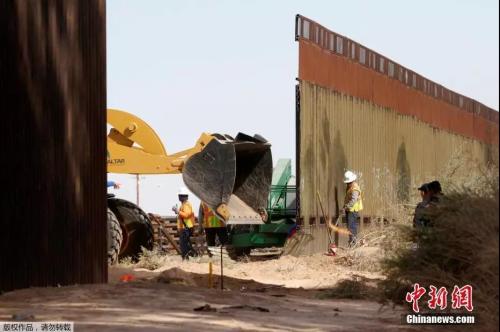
[
  {"x": 136, "y": 227},
  {"x": 115, "y": 238}
]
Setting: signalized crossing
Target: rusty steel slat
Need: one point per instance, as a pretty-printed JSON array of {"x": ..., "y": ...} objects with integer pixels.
[
  {"x": 375, "y": 67},
  {"x": 297, "y": 153},
  {"x": 53, "y": 98},
  {"x": 337, "y": 72}
]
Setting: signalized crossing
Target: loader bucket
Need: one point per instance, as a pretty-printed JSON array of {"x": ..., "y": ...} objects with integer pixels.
[{"x": 232, "y": 176}]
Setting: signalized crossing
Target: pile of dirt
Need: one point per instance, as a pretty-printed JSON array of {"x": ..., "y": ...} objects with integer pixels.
[
  {"x": 178, "y": 276},
  {"x": 308, "y": 272}
]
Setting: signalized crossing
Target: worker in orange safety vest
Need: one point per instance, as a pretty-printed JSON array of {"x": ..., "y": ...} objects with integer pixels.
[
  {"x": 213, "y": 225},
  {"x": 185, "y": 223}
]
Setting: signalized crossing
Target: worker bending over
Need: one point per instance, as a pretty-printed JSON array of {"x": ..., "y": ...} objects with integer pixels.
[
  {"x": 431, "y": 194},
  {"x": 185, "y": 223},
  {"x": 437, "y": 193},
  {"x": 213, "y": 225},
  {"x": 421, "y": 217},
  {"x": 353, "y": 203}
]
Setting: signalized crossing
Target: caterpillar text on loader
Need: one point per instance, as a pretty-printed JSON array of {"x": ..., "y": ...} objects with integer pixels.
[{"x": 232, "y": 175}]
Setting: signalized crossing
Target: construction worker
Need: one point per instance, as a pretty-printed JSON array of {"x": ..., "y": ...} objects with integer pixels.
[
  {"x": 214, "y": 227},
  {"x": 114, "y": 184},
  {"x": 185, "y": 223},
  {"x": 436, "y": 191},
  {"x": 353, "y": 203},
  {"x": 421, "y": 218}
]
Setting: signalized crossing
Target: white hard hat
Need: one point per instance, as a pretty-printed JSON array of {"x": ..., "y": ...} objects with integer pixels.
[
  {"x": 183, "y": 191},
  {"x": 349, "y": 177}
]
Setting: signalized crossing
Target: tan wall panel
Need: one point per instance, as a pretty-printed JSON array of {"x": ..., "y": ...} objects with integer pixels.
[{"x": 312, "y": 240}]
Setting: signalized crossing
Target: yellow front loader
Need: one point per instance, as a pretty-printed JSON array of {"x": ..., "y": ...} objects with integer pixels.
[{"x": 232, "y": 175}]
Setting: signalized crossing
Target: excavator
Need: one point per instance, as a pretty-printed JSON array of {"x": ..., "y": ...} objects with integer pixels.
[{"x": 232, "y": 175}]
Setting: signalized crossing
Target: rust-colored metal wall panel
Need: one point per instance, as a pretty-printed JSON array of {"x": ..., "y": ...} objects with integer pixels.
[
  {"x": 53, "y": 103},
  {"x": 463, "y": 121},
  {"x": 484, "y": 129},
  {"x": 493, "y": 116},
  {"x": 370, "y": 76},
  {"x": 333, "y": 71}
]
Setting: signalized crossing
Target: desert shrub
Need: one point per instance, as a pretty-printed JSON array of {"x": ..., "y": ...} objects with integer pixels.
[
  {"x": 126, "y": 262},
  {"x": 151, "y": 259},
  {"x": 460, "y": 248}
]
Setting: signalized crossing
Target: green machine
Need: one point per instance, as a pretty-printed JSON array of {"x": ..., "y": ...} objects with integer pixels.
[{"x": 269, "y": 239}]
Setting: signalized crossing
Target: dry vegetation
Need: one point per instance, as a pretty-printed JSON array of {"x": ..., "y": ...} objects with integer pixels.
[
  {"x": 150, "y": 259},
  {"x": 461, "y": 248}
]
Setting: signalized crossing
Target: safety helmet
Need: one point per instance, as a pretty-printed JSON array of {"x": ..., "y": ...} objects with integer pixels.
[
  {"x": 183, "y": 191},
  {"x": 349, "y": 177}
]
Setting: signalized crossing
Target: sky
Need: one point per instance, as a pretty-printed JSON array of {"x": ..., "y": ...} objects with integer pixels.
[{"x": 187, "y": 67}]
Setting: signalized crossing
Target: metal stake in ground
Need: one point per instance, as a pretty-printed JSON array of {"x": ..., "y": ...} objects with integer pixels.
[
  {"x": 330, "y": 240},
  {"x": 221, "y": 270},
  {"x": 210, "y": 275}
]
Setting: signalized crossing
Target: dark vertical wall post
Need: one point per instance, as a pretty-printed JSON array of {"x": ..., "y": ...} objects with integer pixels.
[
  {"x": 297, "y": 153},
  {"x": 53, "y": 169}
]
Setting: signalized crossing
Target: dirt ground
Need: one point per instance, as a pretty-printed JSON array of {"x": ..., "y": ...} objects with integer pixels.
[{"x": 289, "y": 294}]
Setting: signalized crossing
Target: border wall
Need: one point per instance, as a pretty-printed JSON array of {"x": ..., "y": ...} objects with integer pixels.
[
  {"x": 53, "y": 103},
  {"x": 359, "y": 110}
]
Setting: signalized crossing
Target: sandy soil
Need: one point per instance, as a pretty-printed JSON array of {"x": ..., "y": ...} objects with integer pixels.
[
  {"x": 311, "y": 272},
  {"x": 279, "y": 295}
]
